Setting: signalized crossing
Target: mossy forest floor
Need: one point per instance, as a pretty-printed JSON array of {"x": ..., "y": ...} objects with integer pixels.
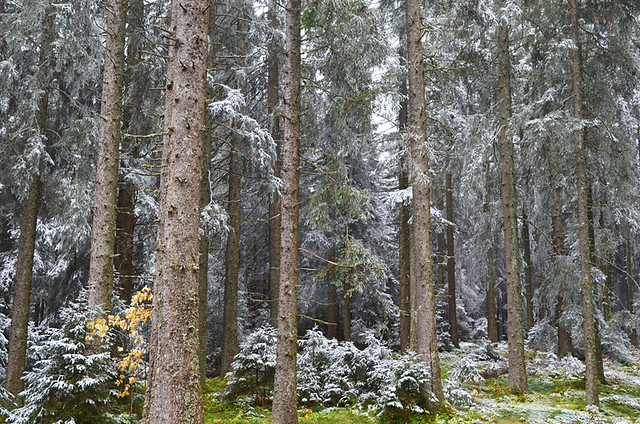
[{"x": 555, "y": 397}]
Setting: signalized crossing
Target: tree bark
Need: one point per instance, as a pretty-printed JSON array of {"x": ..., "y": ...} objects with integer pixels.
[
  {"x": 422, "y": 264},
  {"x": 174, "y": 392},
  {"x": 588, "y": 308},
  {"x": 106, "y": 187},
  {"x": 492, "y": 318},
  {"x": 517, "y": 380},
  {"x": 273, "y": 99},
  {"x": 284, "y": 397},
  {"x": 347, "y": 315},
  {"x": 451, "y": 265},
  {"x": 528, "y": 277},
  {"x": 16, "y": 355}
]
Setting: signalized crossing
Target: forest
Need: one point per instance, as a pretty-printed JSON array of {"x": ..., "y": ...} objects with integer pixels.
[{"x": 319, "y": 211}]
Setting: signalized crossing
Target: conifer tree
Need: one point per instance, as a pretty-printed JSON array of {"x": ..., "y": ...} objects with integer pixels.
[{"x": 174, "y": 385}]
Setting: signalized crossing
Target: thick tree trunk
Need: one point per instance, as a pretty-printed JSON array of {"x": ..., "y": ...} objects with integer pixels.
[
  {"x": 528, "y": 277},
  {"x": 629, "y": 268},
  {"x": 451, "y": 266},
  {"x": 588, "y": 308},
  {"x": 422, "y": 266},
  {"x": 174, "y": 392},
  {"x": 232, "y": 262},
  {"x": 18, "y": 331},
  {"x": 492, "y": 318},
  {"x": 285, "y": 410},
  {"x": 274, "y": 129},
  {"x": 517, "y": 373},
  {"x": 106, "y": 188}
]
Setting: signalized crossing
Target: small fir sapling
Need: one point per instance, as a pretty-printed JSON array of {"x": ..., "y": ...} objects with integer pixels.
[{"x": 67, "y": 384}]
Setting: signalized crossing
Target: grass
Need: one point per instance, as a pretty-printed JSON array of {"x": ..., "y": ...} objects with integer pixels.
[{"x": 553, "y": 399}]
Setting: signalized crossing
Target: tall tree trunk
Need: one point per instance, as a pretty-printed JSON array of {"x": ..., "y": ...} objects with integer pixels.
[
  {"x": 588, "y": 308},
  {"x": 629, "y": 268},
  {"x": 422, "y": 264},
  {"x": 284, "y": 396},
  {"x": 174, "y": 392},
  {"x": 607, "y": 295},
  {"x": 125, "y": 212},
  {"x": 106, "y": 188},
  {"x": 565, "y": 346},
  {"x": 232, "y": 262},
  {"x": 451, "y": 265},
  {"x": 18, "y": 331},
  {"x": 404, "y": 235},
  {"x": 205, "y": 199},
  {"x": 273, "y": 99},
  {"x": 528, "y": 277},
  {"x": 517, "y": 372},
  {"x": 234, "y": 209},
  {"x": 492, "y": 318}
]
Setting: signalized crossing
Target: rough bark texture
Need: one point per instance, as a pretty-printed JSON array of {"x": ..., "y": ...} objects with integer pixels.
[
  {"x": 125, "y": 224},
  {"x": 274, "y": 129},
  {"x": 347, "y": 317},
  {"x": 629, "y": 268},
  {"x": 588, "y": 308},
  {"x": 451, "y": 265},
  {"x": 106, "y": 188},
  {"x": 515, "y": 335},
  {"x": 492, "y": 319},
  {"x": 528, "y": 277},
  {"x": 422, "y": 267},
  {"x": 16, "y": 354},
  {"x": 173, "y": 392},
  {"x": 284, "y": 392}
]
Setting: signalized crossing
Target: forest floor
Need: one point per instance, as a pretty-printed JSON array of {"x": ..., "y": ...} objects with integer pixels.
[{"x": 556, "y": 396}]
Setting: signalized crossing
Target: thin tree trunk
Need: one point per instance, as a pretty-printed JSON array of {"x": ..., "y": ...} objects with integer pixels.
[
  {"x": 125, "y": 212},
  {"x": 422, "y": 266},
  {"x": 565, "y": 346},
  {"x": 607, "y": 295},
  {"x": 492, "y": 318},
  {"x": 232, "y": 262},
  {"x": 332, "y": 312},
  {"x": 517, "y": 373},
  {"x": 404, "y": 235},
  {"x": 106, "y": 188},
  {"x": 284, "y": 396},
  {"x": 593, "y": 261},
  {"x": 273, "y": 99},
  {"x": 451, "y": 266},
  {"x": 18, "y": 331},
  {"x": 174, "y": 391},
  {"x": 347, "y": 315},
  {"x": 629, "y": 268},
  {"x": 528, "y": 278},
  {"x": 588, "y": 308}
]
